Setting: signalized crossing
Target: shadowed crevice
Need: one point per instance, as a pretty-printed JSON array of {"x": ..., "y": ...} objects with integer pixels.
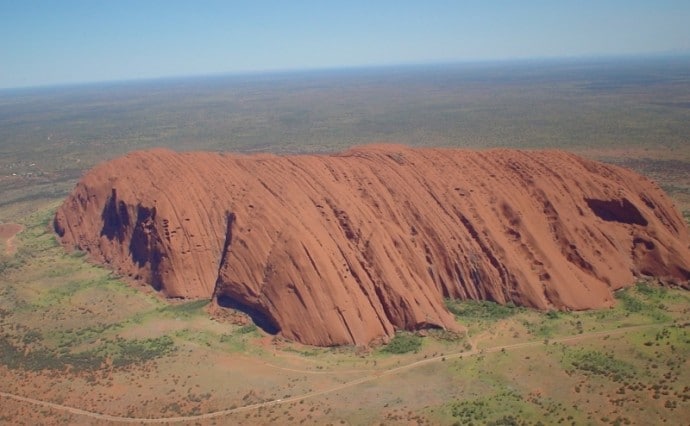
[
  {"x": 142, "y": 246},
  {"x": 115, "y": 218},
  {"x": 57, "y": 226},
  {"x": 622, "y": 211},
  {"x": 260, "y": 318}
]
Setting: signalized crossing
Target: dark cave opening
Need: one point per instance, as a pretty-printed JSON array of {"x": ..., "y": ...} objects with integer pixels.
[
  {"x": 261, "y": 319},
  {"x": 622, "y": 211}
]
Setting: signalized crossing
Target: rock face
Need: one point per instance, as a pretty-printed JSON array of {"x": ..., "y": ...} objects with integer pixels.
[{"x": 346, "y": 248}]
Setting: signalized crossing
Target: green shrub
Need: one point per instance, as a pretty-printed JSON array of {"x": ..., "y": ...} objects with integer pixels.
[
  {"x": 489, "y": 410},
  {"x": 469, "y": 411},
  {"x": 186, "y": 308},
  {"x": 480, "y": 309},
  {"x": 650, "y": 290},
  {"x": 602, "y": 364},
  {"x": 246, "y": 329},
  {"x": 136, "y": 351},
  {"x": 644, "y": 299},
  {"x": 123, "y": 353},
  {"x": 553, "y": 314},
  {"x": 32, "y": 336},
  {"x": 403, "y": 342},
  {"x": 630, "y": 302}
]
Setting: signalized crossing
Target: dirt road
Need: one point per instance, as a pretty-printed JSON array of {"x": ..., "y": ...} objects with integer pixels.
[
  {"x": 351, "y": 383},
  {"x": 8, "y": 232}
]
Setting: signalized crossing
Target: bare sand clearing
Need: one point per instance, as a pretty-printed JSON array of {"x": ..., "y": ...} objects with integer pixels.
[
  {"x": 347, "y": 248},
  {"x": 8, "y": 232}
]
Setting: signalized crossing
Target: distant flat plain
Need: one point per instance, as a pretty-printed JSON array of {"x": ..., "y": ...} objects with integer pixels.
[
  {"x": 77, "y": 344},
  {"x": 626, "y": 110}
]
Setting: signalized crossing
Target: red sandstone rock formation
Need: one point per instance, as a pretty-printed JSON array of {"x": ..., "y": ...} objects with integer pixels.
[{"x": 346, "y": 248}]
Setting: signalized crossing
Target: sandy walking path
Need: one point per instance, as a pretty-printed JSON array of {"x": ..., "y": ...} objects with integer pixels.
[{"x": 8, "y": 232}]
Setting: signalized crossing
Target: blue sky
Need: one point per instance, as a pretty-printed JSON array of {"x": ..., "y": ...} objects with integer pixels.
[{"x": 67, "y": 41}]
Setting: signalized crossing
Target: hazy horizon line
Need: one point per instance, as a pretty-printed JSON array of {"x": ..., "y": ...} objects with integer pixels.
[{"x": 345, "y": 68}]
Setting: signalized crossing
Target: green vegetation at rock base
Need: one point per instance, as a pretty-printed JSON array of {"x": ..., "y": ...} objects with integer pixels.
[{"x": 403, "y": 342}]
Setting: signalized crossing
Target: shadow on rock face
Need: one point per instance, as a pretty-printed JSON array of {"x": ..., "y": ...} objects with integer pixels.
[
  {"x": 115, "y": 218},
  {"x": 261, "y": 319},
  {"x": 622, "y": 211}
]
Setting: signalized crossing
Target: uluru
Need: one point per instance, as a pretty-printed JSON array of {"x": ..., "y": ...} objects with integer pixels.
[{"x": 350, "y": 247}]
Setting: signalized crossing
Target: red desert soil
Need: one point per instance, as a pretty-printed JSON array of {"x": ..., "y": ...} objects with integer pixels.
[
  {"x": 7, "y": 233},
  {"x": 346, "y": 248}
]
